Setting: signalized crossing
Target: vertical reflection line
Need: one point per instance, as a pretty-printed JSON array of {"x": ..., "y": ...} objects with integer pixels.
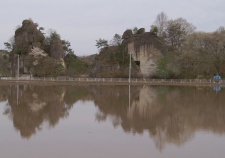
[
  {"x": 17, "y": 94},
  {"x": 129, "y": 96}
]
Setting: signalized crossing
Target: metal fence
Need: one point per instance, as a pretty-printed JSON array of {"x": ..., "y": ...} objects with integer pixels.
[{"x": 115, "y": 80}]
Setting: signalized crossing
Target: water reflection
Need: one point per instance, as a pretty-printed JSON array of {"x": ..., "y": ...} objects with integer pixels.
[
  {"x": 3, "y": 93},
  {"x": 217, "y": 88},
  {"x": 39, "y": 104},
  {"x": 169, "y": 114}
]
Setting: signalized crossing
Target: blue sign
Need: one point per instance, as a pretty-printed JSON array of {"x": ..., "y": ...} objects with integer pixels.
[
  {"x": 217, "y": 78},
  {"x": 217, "y": 89}
]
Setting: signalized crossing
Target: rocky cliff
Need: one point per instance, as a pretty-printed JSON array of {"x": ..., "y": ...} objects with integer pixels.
[
  {"x": 31, "y": 46},
  {"x": 27, "y": 37},
  {"x": 113, "y": 62},
  {"x": 146, "y": 49}
]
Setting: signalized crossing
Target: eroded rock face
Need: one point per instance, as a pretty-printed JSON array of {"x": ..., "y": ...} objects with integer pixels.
[
  {"x": 27, "y": 37},
  {"x": 147, "y": 56},
  {"x": 56, "y": 49},
  {"x": 141, "y": 30},
  {"x": 146, "y": 49},
  {"x": 127, "y": 34},
  {"x": 113, "y": 62},
  {"x": 34, "y": 52}
]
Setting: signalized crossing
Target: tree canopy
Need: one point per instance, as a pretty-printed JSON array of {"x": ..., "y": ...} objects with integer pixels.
[{"x": 101, "y": 43}]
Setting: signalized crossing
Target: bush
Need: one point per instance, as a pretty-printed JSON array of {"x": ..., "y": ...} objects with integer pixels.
[
  {"x": 75, "y": 66},
  {"x": 49, "y": 67}
]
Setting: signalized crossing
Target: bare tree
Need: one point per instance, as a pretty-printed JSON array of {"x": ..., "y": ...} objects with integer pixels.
[
  {"x": 160, "y": 23},
  {"x": 177, "y": 31},
  {"x": 221, "y": 29},
  {"x": 116, "y": 41}
]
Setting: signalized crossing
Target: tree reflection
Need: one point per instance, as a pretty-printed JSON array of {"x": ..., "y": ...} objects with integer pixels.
[
  {"x": 3, "y": 93},
  {"x": 39, "y": 104},
  {"x": 169, "y": 114}
]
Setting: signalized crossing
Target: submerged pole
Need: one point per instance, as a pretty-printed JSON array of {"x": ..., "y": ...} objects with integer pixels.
[
  {"x": 129, "y": 96},
  {"x": 130, "y": 68},
  {"x": 17, "y": 94},
  {"x": 18, "y": 67}
]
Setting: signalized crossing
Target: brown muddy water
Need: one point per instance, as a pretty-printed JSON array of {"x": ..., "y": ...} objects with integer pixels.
[{"x": 111, "y": 122}]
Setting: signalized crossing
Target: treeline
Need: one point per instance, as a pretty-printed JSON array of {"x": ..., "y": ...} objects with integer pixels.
[
  {"x": 191, "y": 54},
  {"x": 4, "y": 63}
]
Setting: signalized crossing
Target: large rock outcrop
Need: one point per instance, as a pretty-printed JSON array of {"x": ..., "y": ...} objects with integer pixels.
[
  {"x": 113, "y": 62},
  {"x": 32, "y": 48},
  {"x": 56, "y": 49},
  {"x": 127, "y": 34},
  {"x": 27, "y": 37},
  {"x": 146, "y": 49}
]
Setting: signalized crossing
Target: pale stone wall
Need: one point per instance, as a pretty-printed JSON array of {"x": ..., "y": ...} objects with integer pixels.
[
  {"x": 148, "y": 57},
  {"x": 146, "y": 106}
]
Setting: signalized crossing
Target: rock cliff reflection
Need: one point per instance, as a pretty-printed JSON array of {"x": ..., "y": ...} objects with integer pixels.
[
  {"x": 31, "y": 106},
  {"x": 169, "y": 114}
]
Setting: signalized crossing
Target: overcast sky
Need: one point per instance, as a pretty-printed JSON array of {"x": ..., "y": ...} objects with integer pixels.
[{"x": 83, "y": 21}]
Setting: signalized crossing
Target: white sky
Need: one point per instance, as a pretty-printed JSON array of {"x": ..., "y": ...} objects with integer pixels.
[{"x": 84, "y": 21}]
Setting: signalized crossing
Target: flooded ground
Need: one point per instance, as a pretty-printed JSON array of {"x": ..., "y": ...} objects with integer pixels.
[{"x": 111, "y": 121}]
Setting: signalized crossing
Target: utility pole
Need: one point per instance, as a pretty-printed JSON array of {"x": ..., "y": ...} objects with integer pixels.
[
  {"x": 129, "y": 79},
  {"x": 130, "y": 68},
  {"x": 18, "y": 67}
]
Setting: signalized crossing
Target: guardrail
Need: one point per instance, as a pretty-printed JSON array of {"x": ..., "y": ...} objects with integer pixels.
[{"x": 122, "y": 80}]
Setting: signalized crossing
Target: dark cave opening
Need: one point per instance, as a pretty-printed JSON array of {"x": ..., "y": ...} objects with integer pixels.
[{"x": 137, "y": 63}]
